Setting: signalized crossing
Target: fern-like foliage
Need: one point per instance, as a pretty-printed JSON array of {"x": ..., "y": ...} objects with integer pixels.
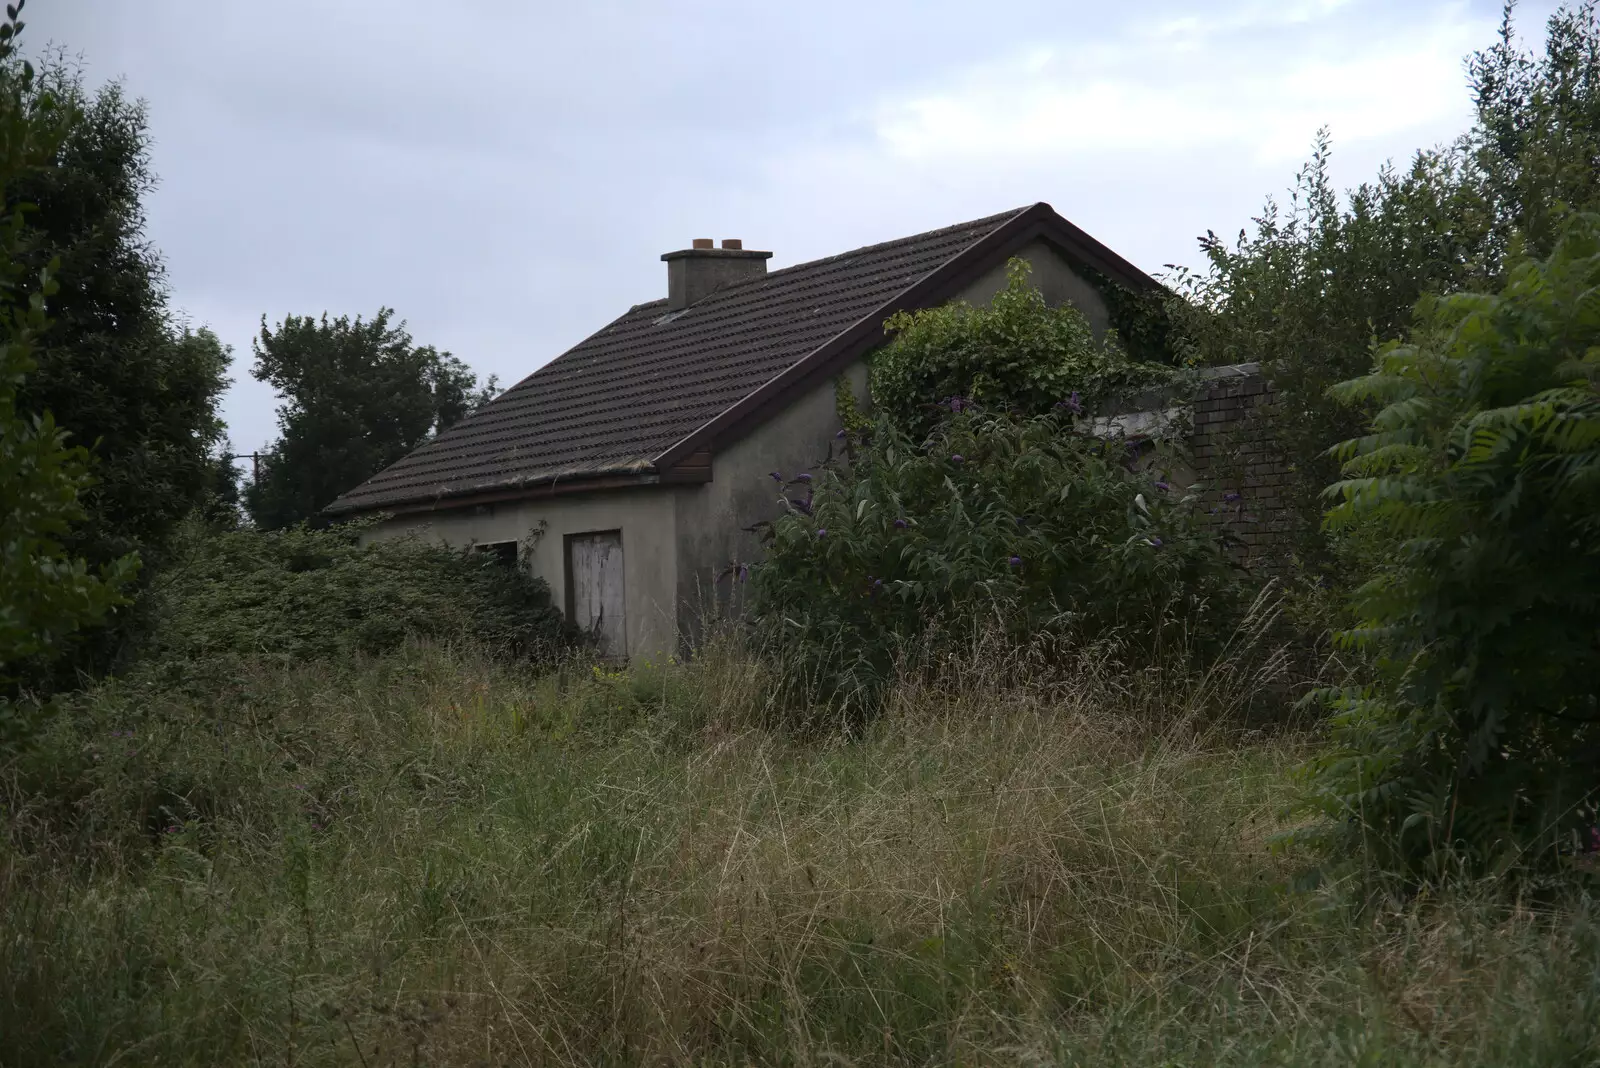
[{"x": 1476, "y": 744}]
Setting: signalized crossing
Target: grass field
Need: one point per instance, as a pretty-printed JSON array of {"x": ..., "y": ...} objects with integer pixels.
[{"x": 429, "y": 859}]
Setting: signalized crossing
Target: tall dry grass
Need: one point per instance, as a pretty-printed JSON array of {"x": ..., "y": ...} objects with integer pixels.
[{"x": 430, "y": 859}]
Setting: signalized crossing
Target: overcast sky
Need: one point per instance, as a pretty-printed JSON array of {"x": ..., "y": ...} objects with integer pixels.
[{"x": 506, "y": 175}]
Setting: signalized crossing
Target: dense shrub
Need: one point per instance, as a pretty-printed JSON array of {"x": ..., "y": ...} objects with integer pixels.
[
  {"x": 993, "y": 521},
  {"x": 304, "y": 594},
  {"x": 1016, "y": 352},
  {"x": 1478, "y": 740}
]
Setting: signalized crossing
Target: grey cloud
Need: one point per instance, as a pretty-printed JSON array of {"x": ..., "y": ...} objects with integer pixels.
[{"x": 505, "y": 174}]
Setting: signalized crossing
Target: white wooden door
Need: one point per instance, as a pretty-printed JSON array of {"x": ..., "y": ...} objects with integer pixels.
[{"x": 594, "y": 590}]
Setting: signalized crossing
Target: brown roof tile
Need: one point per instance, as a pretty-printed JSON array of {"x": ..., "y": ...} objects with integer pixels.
[{"x": 620, "y": 398}]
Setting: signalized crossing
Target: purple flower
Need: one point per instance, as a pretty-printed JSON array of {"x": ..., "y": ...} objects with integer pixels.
[
  {"x": 803, "y": 476},
  {"x": 1231, "y": 496},
  {"x": 877, "y": 584},
  {"x": 1156, "y": 542},
  {"x": 1072, "y": 404},
  {"x": 777, "y": 476},
  {"x": 900, "y": 524},
  {"x": 840, "y": 435},
  {"x": 744, "y": 572},
  {"x": 957, "y": 403},
  {"x": 822, "y": 532},
  {"x": 958, "y": 459},
  {"x": 1163, "y": 486},
  {"x": 1016, "y": 561}
]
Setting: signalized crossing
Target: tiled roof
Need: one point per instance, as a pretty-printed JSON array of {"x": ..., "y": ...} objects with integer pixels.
[{"x": 623, "y": 396}]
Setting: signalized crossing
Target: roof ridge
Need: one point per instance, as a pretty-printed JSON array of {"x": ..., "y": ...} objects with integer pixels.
[
  {"x": 990, "y": 221},
  {"x": 987, "y": 220}
]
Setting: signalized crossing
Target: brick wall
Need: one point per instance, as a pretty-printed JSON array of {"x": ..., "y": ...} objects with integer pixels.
[{"x": 1234, "y": 457}]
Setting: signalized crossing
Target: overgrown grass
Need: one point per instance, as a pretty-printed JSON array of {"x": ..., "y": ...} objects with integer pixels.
[{"x": 432, "y": 859}]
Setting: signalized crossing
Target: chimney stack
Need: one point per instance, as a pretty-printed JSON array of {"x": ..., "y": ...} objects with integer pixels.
[{"x": 700, "y": 270}]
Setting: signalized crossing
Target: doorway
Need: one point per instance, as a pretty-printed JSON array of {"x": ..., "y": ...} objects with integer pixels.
[{"x": 595, "y": 601}]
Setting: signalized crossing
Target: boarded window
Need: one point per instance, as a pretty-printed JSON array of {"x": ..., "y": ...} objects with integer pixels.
[
  {"x": 595, "y": 600},
  {"x": 504, "y": 552}
]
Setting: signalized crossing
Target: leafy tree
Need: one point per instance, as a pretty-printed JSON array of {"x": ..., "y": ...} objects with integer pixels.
[
  {"x": 1476, "y": 743},
  {"x": 1306, "y": 292},
  {"x": 1311, "y": 287},
  {"x": 45, "y": 593},
  {"x": 357, "y": 397},
  {"x": 1016, "y": 352},
  {"x": 133, "y": 385},
  {"x": 222, "y": 507},
  {"x": 1535, "y": 149}
]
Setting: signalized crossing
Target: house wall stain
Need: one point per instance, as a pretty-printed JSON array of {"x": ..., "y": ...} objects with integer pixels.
[{"x": 713, "y": 539}]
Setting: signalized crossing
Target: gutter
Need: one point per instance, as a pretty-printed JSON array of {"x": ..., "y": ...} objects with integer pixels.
[{"x": 554, "y": 487}]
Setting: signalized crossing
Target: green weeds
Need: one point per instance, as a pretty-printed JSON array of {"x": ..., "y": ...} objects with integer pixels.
[{"x": 430, "y": 858}]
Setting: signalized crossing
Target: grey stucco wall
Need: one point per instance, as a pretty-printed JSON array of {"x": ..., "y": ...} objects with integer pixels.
[
  {"x": 646, "y": 517},
  {"x": 1053, "y": 277},
  {"x": 712, "y": 516}
]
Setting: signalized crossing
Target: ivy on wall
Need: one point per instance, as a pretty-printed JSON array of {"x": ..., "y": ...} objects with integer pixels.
[{"x": 1141, "y": 320}]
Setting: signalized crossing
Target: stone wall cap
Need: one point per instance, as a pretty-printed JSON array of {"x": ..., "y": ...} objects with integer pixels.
[{"x": 1231, "y": 370}]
